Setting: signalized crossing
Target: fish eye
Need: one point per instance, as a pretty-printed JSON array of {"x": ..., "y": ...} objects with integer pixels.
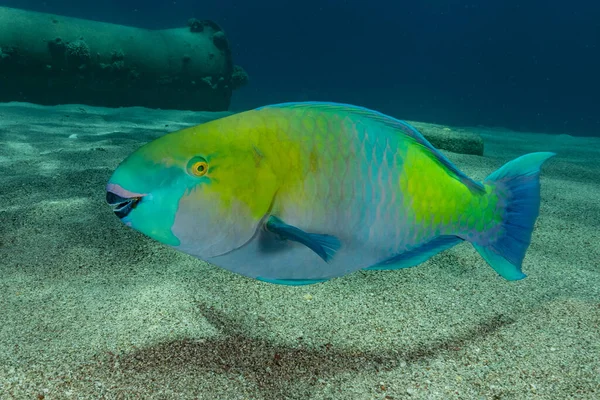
[{"x": 198, "y": 166}]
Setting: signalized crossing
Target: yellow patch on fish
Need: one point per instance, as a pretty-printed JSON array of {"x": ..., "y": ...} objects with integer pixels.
[
  {"x": 427, "y": 195},
  {"x": 314, "y": 161}
]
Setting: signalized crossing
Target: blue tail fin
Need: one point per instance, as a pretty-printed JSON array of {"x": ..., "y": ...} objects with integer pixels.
[{"x": 517, "y": 185}]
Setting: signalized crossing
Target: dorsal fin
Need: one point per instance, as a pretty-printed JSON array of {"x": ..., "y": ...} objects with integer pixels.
[{"x": 400, "y": 126}]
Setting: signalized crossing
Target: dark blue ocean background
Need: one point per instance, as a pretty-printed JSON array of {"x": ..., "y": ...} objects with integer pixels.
[{"x": 525, "y": 65}]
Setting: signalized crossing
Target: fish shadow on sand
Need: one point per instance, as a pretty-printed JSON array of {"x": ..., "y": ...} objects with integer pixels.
[{"x": 276, "y": 370}]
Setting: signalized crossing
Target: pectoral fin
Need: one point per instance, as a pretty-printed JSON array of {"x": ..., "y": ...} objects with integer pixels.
[{"x": 324, "y": 245}]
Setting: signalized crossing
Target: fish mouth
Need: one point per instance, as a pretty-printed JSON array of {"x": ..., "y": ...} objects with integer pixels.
[{"x": 122, "y": 201}]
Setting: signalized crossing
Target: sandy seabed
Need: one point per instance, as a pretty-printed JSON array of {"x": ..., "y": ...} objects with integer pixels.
[{"x": 90, "y": 309}]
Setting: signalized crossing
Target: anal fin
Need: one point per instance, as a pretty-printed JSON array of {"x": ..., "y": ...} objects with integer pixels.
[{"x": 418, "y": 255}]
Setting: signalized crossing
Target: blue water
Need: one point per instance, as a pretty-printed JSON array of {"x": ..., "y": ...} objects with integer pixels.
[{"x": 526, "y": 65}]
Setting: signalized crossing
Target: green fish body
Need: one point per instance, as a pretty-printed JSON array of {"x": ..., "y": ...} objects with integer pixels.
[{"x": 299, "y": 193}]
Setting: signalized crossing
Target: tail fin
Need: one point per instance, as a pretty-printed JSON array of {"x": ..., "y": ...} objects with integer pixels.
[{"x": 517, "y": 185}]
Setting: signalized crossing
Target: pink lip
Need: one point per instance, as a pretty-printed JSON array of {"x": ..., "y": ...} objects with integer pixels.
[{"x": 119, "y": 191}]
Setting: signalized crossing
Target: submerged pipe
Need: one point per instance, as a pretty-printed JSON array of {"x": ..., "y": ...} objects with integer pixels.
[{"x": 51, "y": 59}]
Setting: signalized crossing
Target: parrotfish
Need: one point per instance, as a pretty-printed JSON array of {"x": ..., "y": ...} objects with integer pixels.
[{"x": 300, "y": 193}]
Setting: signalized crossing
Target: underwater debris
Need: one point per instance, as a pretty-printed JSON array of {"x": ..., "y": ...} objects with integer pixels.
[
  {"x": 455, "y": 140},
  {"x": 197, "y": 25},
  {"x": 90, "y": 70},
  {"x": 208, "y": 80},
  {"x": 78, "y": 52},
  {"x": 117, "y": 64},
  {"x": 239, "y": 77},
  {"x": 220, "y": 40},
  {"x": 117, "y": 55}
]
